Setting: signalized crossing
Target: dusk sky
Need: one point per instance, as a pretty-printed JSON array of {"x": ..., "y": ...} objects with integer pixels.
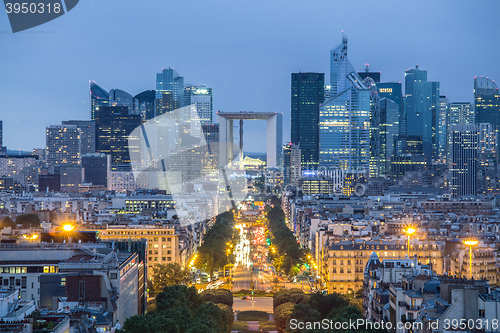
[{"x": 244, "y": 50}]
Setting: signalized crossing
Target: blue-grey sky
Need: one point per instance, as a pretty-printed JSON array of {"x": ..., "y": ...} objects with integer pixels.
[{"x": 245, "y": 50}]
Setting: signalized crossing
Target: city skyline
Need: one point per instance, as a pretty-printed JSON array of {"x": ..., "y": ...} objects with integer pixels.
[{"x": 59, "y": 68}]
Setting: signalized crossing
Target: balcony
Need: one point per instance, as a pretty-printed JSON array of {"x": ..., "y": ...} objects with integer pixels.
[{"x": 412, "y": 308}]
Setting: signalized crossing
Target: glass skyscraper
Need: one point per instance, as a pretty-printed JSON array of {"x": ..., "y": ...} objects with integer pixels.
[
  {"x": 344, "y": 130},
  {"x": 201, "y": 96},
  {"x": 146, "y": 100},
  {"x": 442, "y": 128},
  {"x": 169, "y": 91},
  {"x": 422, "y": 99},
  {"x": 461, "y": 113},
  {"x": 118, "y": 97},
  {"x": 394, "y": 92},
  {"x": 98, "y": 97},
  {"x": 486, "y": 101},
  {"x": 307, "y": 95},
  {"x": 389, "y": 131},
  {"x": 463, "y": 153}
]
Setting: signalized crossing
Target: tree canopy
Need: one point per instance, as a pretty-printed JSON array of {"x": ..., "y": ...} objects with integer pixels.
[
  {"x": 294, "y": 304},
  {"x": 289, "y": 252},
  {"x": 212, "y": 253},
  {"x": 180, "y": 309},
  {"x": 6, "y": 222},
  {"x": 28, "y": 220},
  {"x": 168, "y": 275}
]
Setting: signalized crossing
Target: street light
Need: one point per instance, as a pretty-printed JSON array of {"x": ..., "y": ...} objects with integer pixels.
[
  {"x": 409, "y": 231},
  {"x": 470, "y": 243},
  {"x": 68, "y": 227}
]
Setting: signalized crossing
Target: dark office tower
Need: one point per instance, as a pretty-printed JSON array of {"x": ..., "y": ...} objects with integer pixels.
[
  {"x": 118, "y": 97},
  {"x": 97, "y": 168},
  {"x": 169, "y": 91},
  {"x": 394, "y": 92},
  {"x": 422, "y": 98},
  {"x": 3, "y": 150},
  {"x": 113, "y": 126},
  {"x": 375, "y": 149},
  {"x": 71, "y": 178},
  {"x": 98, "y": 97},
  {"x": 408, "y": 144},
  {"x": 389, "y": 131},
  {"x": 307, "y": 95},
  {"x": 486, "y": 101},
  {"x": 87, "y": 134},
  {"x": 463, "y": 154},
  {"x": 442, "y": 128},
  {"x": 374, "y": 75},
  {"x": 49, "y": 183},
  {"x": 434, "y": 105},
  {"x": 488, "y": 180},
  {"x": 146, "y": 100}
]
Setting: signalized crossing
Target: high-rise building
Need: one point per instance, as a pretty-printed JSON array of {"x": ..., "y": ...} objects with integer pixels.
[
  {"x": 486, "y": 102},
  {"x": 71, "y": 178},
  {"x": 87, "y": 134},
  {"x": 307, "y": 95},
  {"x": 461, "y": 113},
  {"x": 408, "y": 144},
  {"x": 463, "y": 156},
  {"x": 375, "y": 158},
  {"x": 442, "y": 128},
  {"x": 201, "y": 96},
  {"x": 292, "y": 169},
  {"x": 3, "y": 150},
  {"x": 98, "y": 97},
  {"x": 344, "y": 131},
  {"x": 374, "y": 75},
  {"x": 389, "y": 130},
  {"x": 63, "y": 145},
  {"x": 146, "y": 100},
  {"x": 394, "y": 92},
  {"x": 97, "y": 168},
  {"x": 488, "y": 180},
  {"x": 422, "y": 98},
  {"x": 169, "y": 91},
  {"x": 113, "y": 127},
  {"x": 340, "y": 67},
  {"x": 211, "y": 133},
  {"x": 118, "y": 97}
]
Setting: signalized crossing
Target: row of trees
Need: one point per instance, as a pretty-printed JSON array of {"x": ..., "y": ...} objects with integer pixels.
[
  {"x": 294, "y": 304},
  {"x": 287, "y": 251},
  {"x": 26, "y": 220},
  {"x": 181, "y": 309},
  {"x": 168, "y": 275},
  {"x": 212, "y": 254}
]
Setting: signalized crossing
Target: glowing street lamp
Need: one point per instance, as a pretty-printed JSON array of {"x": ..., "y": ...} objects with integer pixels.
[
  {"x": 68, "y": 227},
  {"x": 470, "y": 243},
  {"x": 409, "y": 231}
]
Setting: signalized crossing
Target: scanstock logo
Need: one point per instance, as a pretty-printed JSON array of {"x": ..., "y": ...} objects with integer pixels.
[{"x": 25, "y": 15}]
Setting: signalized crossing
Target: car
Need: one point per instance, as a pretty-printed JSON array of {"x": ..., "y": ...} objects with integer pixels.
[{"x": 244, "y": 298}]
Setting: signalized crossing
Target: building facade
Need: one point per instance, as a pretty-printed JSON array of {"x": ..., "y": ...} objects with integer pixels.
[
  {"x": 63, "y": 145},
  {"x": 307, "y": 95}
]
